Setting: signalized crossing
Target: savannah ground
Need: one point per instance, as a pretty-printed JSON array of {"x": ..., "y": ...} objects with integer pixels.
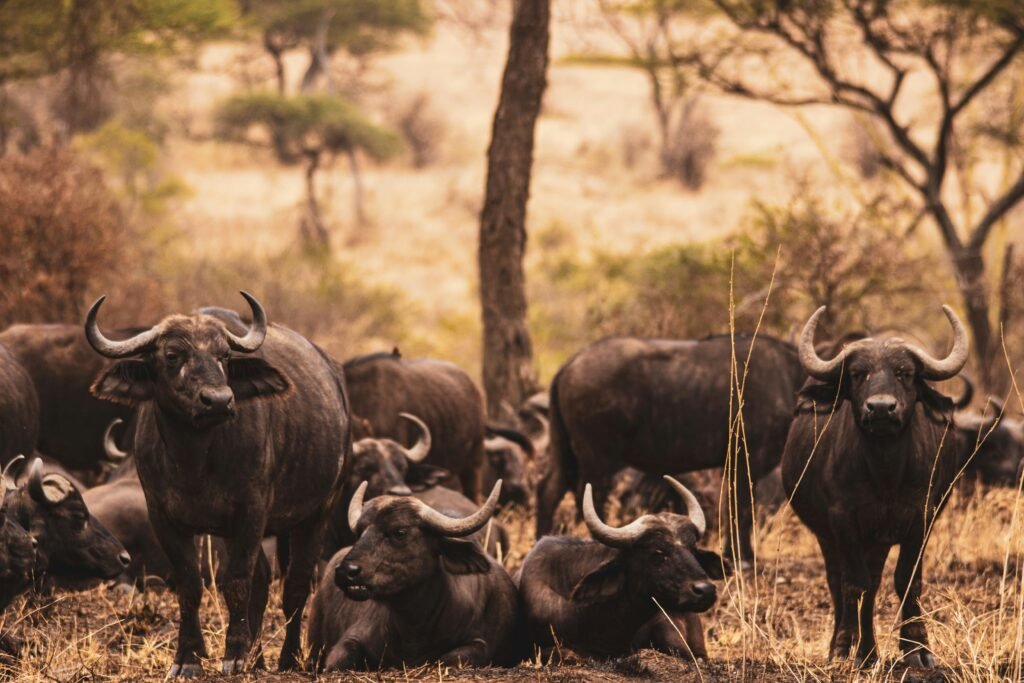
[{"x": 774, "y": 628}]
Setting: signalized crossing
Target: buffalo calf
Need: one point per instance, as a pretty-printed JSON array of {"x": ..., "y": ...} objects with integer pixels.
[{"x": 413, "y": 589}]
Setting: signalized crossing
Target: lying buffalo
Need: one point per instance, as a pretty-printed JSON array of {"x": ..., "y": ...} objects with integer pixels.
[
  {"x": 991, "y": 445},
  {"x": 873, "y": 473},
  {"x": 17, "y": 557},
  {"x": 601, "y": 598},
  {"x": 507, "y": 456},
  {"x": 665, "y": 407},
  {"x": 389, "y": 468},
  {"x": 382, "y": 385},
  {"x": 19, "y": 409},
  {"x": 62, "y": 368},
  {"x": 72, "y": 543},
  {"x": 240, "y": 432},
  {"x": 413, "y": 590}
]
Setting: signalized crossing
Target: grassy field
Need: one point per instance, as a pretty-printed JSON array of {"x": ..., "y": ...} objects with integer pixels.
[{"x": 771, "y": 624}]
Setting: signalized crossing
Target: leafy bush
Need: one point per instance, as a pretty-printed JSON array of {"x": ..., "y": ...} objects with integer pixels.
[{"x": 63, "y": 234}]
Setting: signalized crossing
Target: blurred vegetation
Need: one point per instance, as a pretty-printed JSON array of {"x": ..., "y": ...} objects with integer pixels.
[{"x": 820, "y": 252}]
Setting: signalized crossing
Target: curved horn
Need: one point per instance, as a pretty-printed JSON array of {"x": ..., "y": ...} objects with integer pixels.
[
  {"x": 452, "y": 526},
  {"x": 355, "y": 507},
  {"x": 253, "y": 339},
  {"x": 8, "y": 466},
  {"x": 813, "y": 364},
  {"x": 623, "y": 537},
  {"x": 964, "y": 399},
  {"x": 115, "y": 349},
  {"x": 421, "y": 448},
  {"x": 35, "y": 482},
  {"x": 693, "y": 508},
  {"x": 113, "y": 453},
  {"x": 935, "y": 369}
]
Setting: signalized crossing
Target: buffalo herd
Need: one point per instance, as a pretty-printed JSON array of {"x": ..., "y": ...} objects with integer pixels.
[{"x": 214, "y": 439}]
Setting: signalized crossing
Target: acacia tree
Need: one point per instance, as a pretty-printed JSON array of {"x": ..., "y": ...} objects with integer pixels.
[
  {"x": 508, "y": 372},
  {"x": 308, "y": 129},
  {"x": 964, "y": 46}
]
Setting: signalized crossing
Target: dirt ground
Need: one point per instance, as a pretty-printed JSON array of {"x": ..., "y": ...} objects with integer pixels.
[{"x": 774, "y": 628}]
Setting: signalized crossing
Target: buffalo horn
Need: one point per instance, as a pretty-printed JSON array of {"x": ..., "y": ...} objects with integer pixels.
[
  {"x": 253, "y": 339},
  {"x": 116, "y": 349},
  {"x": 623, "y": 537},
  {"x": 355, "y": 508},
  {"x": 693, "y": 509},
  {"x": 114, "y": 454},
  {"x": 421, "y": 448},
  {"x": 934, "y": 369},
  {"x": 451, "y": 526}
]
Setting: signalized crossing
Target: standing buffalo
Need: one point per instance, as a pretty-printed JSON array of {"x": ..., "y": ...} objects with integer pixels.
[
  {"x": 382, "y": 385},
  {"x": 240, "y": 433},
  {"x": 602, "y": 597},
  {"x": 389, "y": 468},
  {"x": 665, "y": 407},
  {"x": 413, "y": 590},
  {"x": 62, "y": 368},
  {"x": 19, "y": 409},
  {"x": 873, "y": 474}
]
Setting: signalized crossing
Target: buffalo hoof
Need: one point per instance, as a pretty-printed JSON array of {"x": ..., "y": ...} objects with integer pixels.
[
  {"x": 866, "y": 661},
  {"x": 232, "y": 666},
  {"x": 920, "y": 658},
  {"x": 185, "y": 671}
]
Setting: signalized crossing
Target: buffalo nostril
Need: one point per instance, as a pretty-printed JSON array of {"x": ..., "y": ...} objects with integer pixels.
[
  {"x": 703, "y": 589},
  {"x": 124, "y": 558},
  {"x": 881, "y": 405},
  {"x": 352, "y": 571}
]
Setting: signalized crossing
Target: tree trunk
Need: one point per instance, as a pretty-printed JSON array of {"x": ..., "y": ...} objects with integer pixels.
[
  {"x": 314, "y": 232},
  {"x": 970, "y": 277},
  {"x": 508, "y": 372},
  {"x": 357, "y": 187},
  {"x": 276, "y": 51}
]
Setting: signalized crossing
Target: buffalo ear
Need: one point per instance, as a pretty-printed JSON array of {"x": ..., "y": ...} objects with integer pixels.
[
  {"x": 463, "y": 556},
  {"x": 938, "y": 403},
  {"x": 126, "y": 381},
  {"x": 421, "y": 476},
  {"x": 714, "y": 565},
  {"x": 603, "y": 583},
  {"x": 251, "y": 377}
]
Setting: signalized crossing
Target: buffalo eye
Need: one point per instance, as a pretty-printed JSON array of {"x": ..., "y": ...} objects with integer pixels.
[
  {"x": 172, "y": 357},
  {"x": 660, "y": 555},
  {"x": 400, "y": 534}
]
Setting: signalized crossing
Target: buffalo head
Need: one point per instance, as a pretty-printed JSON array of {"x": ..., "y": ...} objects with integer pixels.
[
  {"x": 659, "y": 558},
  {"x": 508, "y": 453},
  {"x": 883, "y": 378},
  {"x": 403, "y": 542},
  {"x": 72, "y": 543},
  {"x": 388, "y": 467},
  {"x": 188, "y": 366}
]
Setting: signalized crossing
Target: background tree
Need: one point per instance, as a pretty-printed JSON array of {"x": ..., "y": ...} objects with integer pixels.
[
  {"x": 323, "y": 27},
  {"x": 308, "y": 129},
  {"x": 964, "y": 46},
  {"x": 508, "y": 372},
  {"x": 75, "y": 40},
  {"x": 667, "y": 40}
]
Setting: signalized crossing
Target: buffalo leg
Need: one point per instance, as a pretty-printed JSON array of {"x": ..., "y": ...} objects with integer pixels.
[
  {"x": 737, "y": 523},
  {"x": 907, "y": 578},
  {"x": 243, "y": 554},
  {"x": 473, "y": 653},
  {"x": 867, "y": 650},
  {"x": 856, "y": 583},
  {"x": 549, "y": 494},
  {"x": 839, "y": 647},
  {"x": 681, "y": 635},
  {"x": 258, "y": 605},
  {"x": 305, "y": 541},
  {"x": 180, "y": 548}
]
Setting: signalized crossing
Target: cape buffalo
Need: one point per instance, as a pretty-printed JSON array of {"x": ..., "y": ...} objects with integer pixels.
[
  {"x": 19, "y": 409},
  {"x": 991, "y": 445},
  {"x": 507, "y": 456},
  {"x": 602, "y": 597},
  {"x": 665, "y": 407},
  {"x": 240, "y": 435},
  {"x": 62, "y": 368},
  {"x": 413, "y": 590},
  {"x": 17, "y": 557},
  {"x": 382, "y": 385},
  {"x": 868, "y": 461},
  {"x": 389, "y": 468},
  {"x": 72, "y": 543}
]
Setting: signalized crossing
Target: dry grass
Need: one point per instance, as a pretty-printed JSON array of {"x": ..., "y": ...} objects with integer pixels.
[{"x": 772, "y": 626}]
